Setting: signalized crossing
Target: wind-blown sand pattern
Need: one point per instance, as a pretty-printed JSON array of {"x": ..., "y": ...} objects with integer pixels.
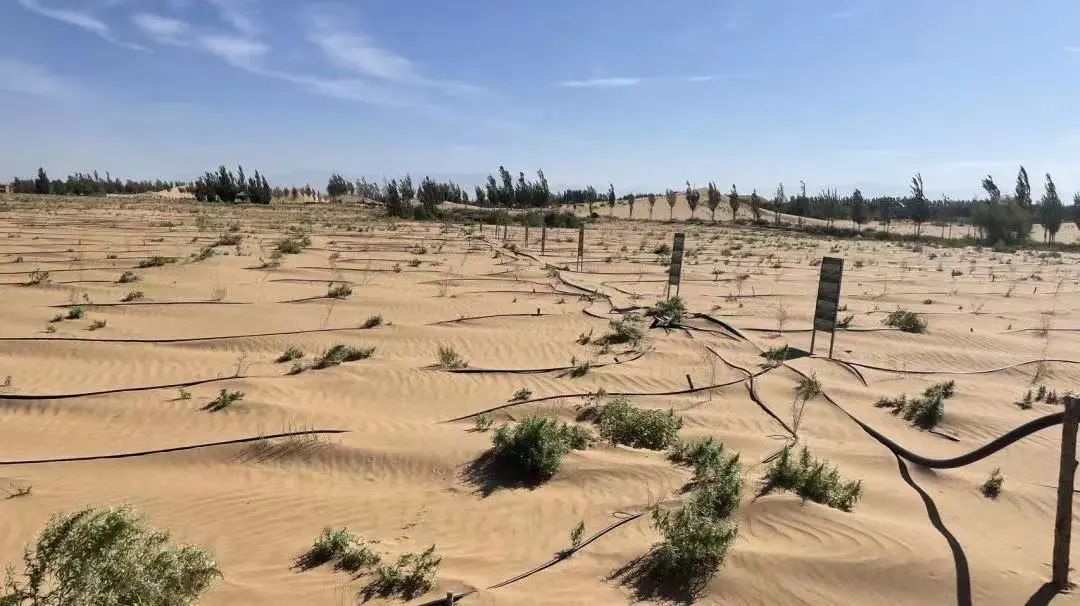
[{"x": 400, "y": 470}]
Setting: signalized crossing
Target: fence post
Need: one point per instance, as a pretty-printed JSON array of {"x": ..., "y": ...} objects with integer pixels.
[
  {"x": 1066, "y": 477},
  {"x": 449, "y": 598}
]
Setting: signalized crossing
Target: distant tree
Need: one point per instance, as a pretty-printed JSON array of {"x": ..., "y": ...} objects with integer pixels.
[
  {"x": 42, "y": 184},
  {"x": 480, "y": 197},
  {"x": 801, "y": 204},
  {"x": 920, "y": 207},
  {"x": 734, "y": 201},
  {"x": 395, "y": 206},
  {"x": 1001, "y": 219},
  {"x": 630, "y": 204},
  {"x": 1076, "y": 210},
  {"x": 693, "y": 196},
  {"x": 1051, "y": 211},
  {"x": 991, "y": 188},
  {"x": 337, "y": 186},
  {"x": 712, "y": 199},
  {"x": 507, "y": 188},
  {"x": 1023, "y": 189},
  {"x": 542, "y": 196},
  {"x": 885, "y": 212},
  {"x": 858, "y": 209},
  {"x": 779, "y": 201},
  {"x": 611, "y": 200},
  {"x": 652, "y": 204},
  {"x": 670, "y": 196},
  {"x": 294, "y": 193},
  {"x": 406, "y": 189},
  {"x": 755, "y": 205}
]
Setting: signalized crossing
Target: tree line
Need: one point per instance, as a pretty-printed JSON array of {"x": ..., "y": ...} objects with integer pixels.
[
  {"x": 86, "y": 184},
  {"x": 225, "y": 186}
]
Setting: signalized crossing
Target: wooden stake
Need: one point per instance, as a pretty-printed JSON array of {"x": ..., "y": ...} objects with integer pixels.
[
  {"x": 543, "y": 238},
  {"x": 1066, "y": 478},
  {"x": 689, "y": 382}
]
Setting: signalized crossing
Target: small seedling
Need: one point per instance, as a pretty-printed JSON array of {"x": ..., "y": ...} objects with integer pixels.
[
  {"x": 127, "y": 277},
  {"x": 339, "y": 291},
  {"x": 290, "y": 354},
  {"x": 372, "y": 321},
  {"x": 521, "y": 395},
  {"x": 483, "y": 422},
  {"x": 97, "y": 324},
  {"x": 991, "y": 488},
  {"x": 225, "y": 399},
  {"x": 447, "y": 358},
  {"x": 135, "y": 295}
]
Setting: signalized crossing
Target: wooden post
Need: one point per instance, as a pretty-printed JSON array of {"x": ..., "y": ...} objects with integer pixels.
[
  {"x": 689, "y": 382},
  {"x": 580, "y": 245},
  {"x": 449, "y": 598},
  {"x": 1066, "y": 477},
  {"x": 526, "y": 235},
  {"x": 543, "y": 238}
]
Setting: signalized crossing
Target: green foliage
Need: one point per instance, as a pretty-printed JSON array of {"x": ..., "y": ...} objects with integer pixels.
[
  {"x": 812, "y": 480},
  {"x": 204, "y": 254},
  {"x": 135, "y": 295},
  {"x": 108, "y": 557},
  {"x": 155, "y": 262},
  {"x": 293, "y": 245},
  {"x": 372, "y": 321},
  {"x": 339, "y": 291},
  {"x": 705, "y": 456},
  {"x": 776, "y": 355},
  {"x": 340, "y": 353},
  {"x": 346, "y": 550},
  {"x": 538, "y": 444},
  {"x": 669, "y": 311},
  {"x": 448, "y": 358},
  {"x": 228, "y": 239},
  {"x": 521, "y": 395},
  {"x": 225, "y": 399},
  {"x": 412, "y": 575},
  {"x": 621, "y": 423},
  {"x": 291, "y": 353},
  {"x": 127, "y": 277},
  {"x": 906, "y": 321},
  {"x": 483, "y": 422},
  {"x": 576, "y": 535},
  {"x": 1051, "y": 211},
  {"x": 75, "y": 313},
  {"x": 628, "y": 329},
  {"x": 925, "y": 411},
  {"x": 97, "y": 324},
  {"x": 991, "y": 488}
]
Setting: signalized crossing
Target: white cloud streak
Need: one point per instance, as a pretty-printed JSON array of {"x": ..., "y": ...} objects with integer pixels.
[
  {"x": 602, "y": 83},
  {"x": 84, "y": 21},
  {"x": 29, "y": 79},
  {"x": 162, "y": 29}
]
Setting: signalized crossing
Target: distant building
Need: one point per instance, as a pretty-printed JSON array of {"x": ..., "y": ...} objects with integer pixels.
[{"x": 7, "y": 188}]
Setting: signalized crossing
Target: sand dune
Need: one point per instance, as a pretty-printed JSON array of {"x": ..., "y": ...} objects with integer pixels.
[{"x": 401, "y": 472}]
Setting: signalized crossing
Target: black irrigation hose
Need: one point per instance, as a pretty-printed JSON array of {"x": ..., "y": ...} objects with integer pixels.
[
  {"x": 143, "y": 453},
  {"x": 70, "y": 396},
  {"x": 489, "y": 316},
  {"x": 960, "y": 372},
  {"x": 536, "y": 371},
  {"x": 138, "y": 303},
  {"x": 750, "y": 376},
  {"x": 184, "y": 339}
]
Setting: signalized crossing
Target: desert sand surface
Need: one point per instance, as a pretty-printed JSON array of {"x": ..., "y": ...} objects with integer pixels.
[{"x": 403, "y": 472}]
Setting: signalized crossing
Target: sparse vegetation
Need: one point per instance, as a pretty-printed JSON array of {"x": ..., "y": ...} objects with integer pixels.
[
  {"x": 812, "y": 480},
  {"x": 372, "y": 321},
  {"x": 628, "y": 330},
  {"x": 339, "y": 291},
  {"x": 622, "y": 423},
  {"x": 225, "y": 399},
  {"x": 97, "y": 325},
  {"x": 75, "y": 313},
  {"x": 991, "y": 488},
  {"x": 135, "y": 295},
  {"x": 447, "y": 358},
  {"x": 155, "y": 262},
  {"x": 925, "y": 411},
  {"x": 340, "y": 353},
  {"x": 108, "y": 557},
  {"x": 521, "y": 395},
  {"x": 411, "y": 575},
  {"x": 669, "y": 312},
  {"x": 538, "y": 444},
  {"x": 907, "y": 321},
  {"x": 128, "y": 277},
  {"x": 291, "y": 353}
]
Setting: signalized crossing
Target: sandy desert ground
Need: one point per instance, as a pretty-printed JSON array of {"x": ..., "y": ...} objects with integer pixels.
[{"x": 999, "y": 325}]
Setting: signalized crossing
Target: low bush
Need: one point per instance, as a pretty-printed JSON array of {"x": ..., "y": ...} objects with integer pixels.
[
  {"x": 448, "y": 358},
  {"x": 346, "y": 550},
  {"x": 668, "y": 312},
  {"x": 342, "y": 353},
  {"x": 156, "y": 262},
  {"x": 229, "y": 239},
  {"x": 538, "y": 444},
  {"x": 135, "y": 295},
  {"x": 225, "y": 399},
  {"x": 37, "y": 277},
  {"x": 291, "y": 353},
  {"x": 776, "y": 355},
  {"x": 372, "y": 321},
  {"x": 412, "y": 575},
  {"x": 906, "y": 321},
  {"x": 991, "y": 488},
  {"x": 108, "y": 557},
  {"x": 622, "y": 423},
  {"x": 812, "y": 480},
  {"x": 97, "y": 324},
  {"x": 925, "y": 411},
  {"x": 706, "y": 456},
  {"x": 204, "y": 254},
  {"x": 521, "y": 395},
  {"x": 127, "y": 277},
  {"x": 483, "y": 422},
  {"x": 75, "y": 313},
  {"x": 628, "y": 330},
  {"x": 293, "y": 245},
  {"x": 339, "y": 291}
]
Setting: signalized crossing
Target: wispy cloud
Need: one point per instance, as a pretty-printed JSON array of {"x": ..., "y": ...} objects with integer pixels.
[
  {"x": 78, "y": 19},
  {"x": 602, "y": 83},
  {"x": 1072, "y": 49},
  {"x": 29, "y": 79},
  {"x": 240, "y": 52},
  {"x": 235, "y": 13},
  {"x": 363, "y": 55},
  {"x": 162, "y": 29}
]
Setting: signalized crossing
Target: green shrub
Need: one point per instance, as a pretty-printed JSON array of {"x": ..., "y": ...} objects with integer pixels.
[
  {"x": 538, "y": 444},
  {"x": 579, "y": 369},
  {"x": 229, "y": 239},
  {"x": 75, "y": 313},
  {"x": 342, "y": 547},
  {"x": 694, "y": 544},
  {"x": 225, "y": 399},
  {"x": 97, "y": 324},
  {"x": 906, "y": 321},
  {"x": 706, "y": 456},
  {"x": 38, "y": 276},
  {"x": 155, "y": 262},
  {"x": 483, "y": 422},
  {"x": 108, "y": 557},
  {"x": 135, "y": 295},
  {"x": 204, "y": 254},
  {"x": 342, "y": 353},
  {"x": 372, "y": 321},
  {"x": 412, "y": 575},
  {"x": 128, "y": 276},
  {"x": 628, "y": 329},
  {"x": 669, "y": 311},
  {"x": 521, "y": 395},
  {"x": 621, "y": 423},
  {"x": 291, "y": 353},
  {"x": 339, "y": 291},
  {"x": 925, "y": 411},
  {"x": 293, "y": 245},
  {"x": 991, "y": 488},
  {"x": 812, "y": 480},
  {"x": 448, "y": 358},
  {"x": 776, "y": 355}
]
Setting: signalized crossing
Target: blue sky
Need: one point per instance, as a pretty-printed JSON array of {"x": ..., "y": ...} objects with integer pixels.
[{"x": 645, "y": 94}]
